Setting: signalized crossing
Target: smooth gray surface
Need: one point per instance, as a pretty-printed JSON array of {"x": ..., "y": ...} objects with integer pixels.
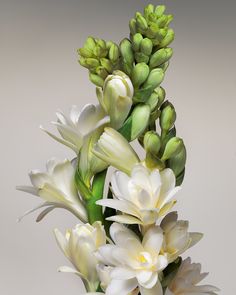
[{"x": 39, "y": 74}]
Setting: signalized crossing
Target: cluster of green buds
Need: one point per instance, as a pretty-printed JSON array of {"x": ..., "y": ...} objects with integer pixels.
[{"x": 100, "y": 58}]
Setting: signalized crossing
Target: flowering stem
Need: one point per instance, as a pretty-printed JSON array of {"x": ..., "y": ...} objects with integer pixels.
[{"x": 95, "y": 211}]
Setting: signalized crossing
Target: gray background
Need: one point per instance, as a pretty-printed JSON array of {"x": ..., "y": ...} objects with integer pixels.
[{"x": 39, "y": 74}]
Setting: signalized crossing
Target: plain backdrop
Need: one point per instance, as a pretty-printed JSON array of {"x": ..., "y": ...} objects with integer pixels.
[{"x": 39, "y": 74}]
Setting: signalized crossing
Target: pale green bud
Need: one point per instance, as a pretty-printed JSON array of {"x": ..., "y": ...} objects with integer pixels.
[
  {"x": 126, "y": 51},
  {"x": 148, "y": 10},
  {"x": 97, "y": 80},
  {"x": 164, "y": 66},
  {"x": 160, "y": 57},
  {"x": 92, "y": 62},
  {"x": 168, "y": 38},
  {"x": 152, "y": 142},
  {"x": 160, "y": 9},
  {"x": 146, "y": 46},
  {"x": 82, "y": 62},
  {"x": 100, "y": 51},
  {"x": 168, "y": 117},
  {"x": 177, "y": 163},
  {"x": 89, "y": 43},
  {"x": 114, "y": 53},
  {"x": 173, "y": 147},
  {"x": 141, "y": 57},
  {"x": 155, "y": 78},
  {"x": 153, "y": 101},
  {"x": 106, "y": 63},
  {"x": 141, "y": 21},
  {"x": 139, "y": 74},
  {"x": 137, "y": 39},
  {"x": 117, "y": 98},
  {"x": 161, "y": 95},
  {"x": 101, "y": 71},
  {"x": 132, "y": 26},
  {"x": 85, "y": 52}
]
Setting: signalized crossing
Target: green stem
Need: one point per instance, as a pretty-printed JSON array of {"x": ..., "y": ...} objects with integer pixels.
[{"x": 95, "y": 211}]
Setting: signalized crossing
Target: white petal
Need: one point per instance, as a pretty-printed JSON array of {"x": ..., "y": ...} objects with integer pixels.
[
  {"x": 153, "y": 239},
  {"x": 156, "y": 290},
  {"x": 126, "y": 219},
  {"x": 195, "y": 238},
  {"x": 122, "y": 273},
  {"x": 28, "y": 189},
  {"x": 119, "y": 183},
  {"x": 38, "y": 179},
  {"x": 61, "y": 242},
  {"x": 121, "y": 287},
  {"x": 123, "y": 206},
  {"x": 147, "y": 279}
]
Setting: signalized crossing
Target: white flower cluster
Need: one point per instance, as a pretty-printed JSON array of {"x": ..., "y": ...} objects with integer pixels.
[{"x": 145, "y": 238}]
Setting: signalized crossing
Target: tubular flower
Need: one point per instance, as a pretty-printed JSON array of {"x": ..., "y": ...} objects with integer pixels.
[
  {"x": 115, "y": 150},
  {"x": 186, "y": 281},
  {"x": 116, "y": 97},
  {"x": 135, "y": 263},
  {"x": 142, "y": 197},
  {"x": 79, "y": 245},
  {"x": 78, "y": 126},
  {"x": 177, "y": 239},
  {"x": 57, "y": 188}
]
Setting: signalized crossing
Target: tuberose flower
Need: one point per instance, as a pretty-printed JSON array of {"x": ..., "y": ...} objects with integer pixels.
[
  {"x": 187, "y": 279},
  {"x": 115, "y": 150},
  {"x": 79, "y": 245},
  {"x": 142, "y": 197},
  {"x": 116, "y": 97},
  {"x": 177, "y": 239},
  {"x": 135, "y": 263},
  {"x": 57, "y": 188},
  {"x": 78, "y": 126}
]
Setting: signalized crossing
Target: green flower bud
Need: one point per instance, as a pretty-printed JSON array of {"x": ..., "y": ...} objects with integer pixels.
[
  {"x": 106, "y": 64},
  {"x": 132, "y": 26},
  {"x": 101, "y": 71},
  {"x": 173, "y": 147},
  {"x": 89, "y": 43},
  {"x": 92, "y": 62},
  {"x": 86, "y": 52},
  {"x": 114, "y": 53},
  {"x": 82, "y": 62},
  {"x": 160, "y": 9},
  {"x": 148, "y": 10},
  {"x": 153, "y": 101},
  {"x": 155, "y": 78},
  {"x": 141, "y": 57},
  {"x": 161, "y": 95},
  {"x": 168, "y": 38},
  {"x": 126, "y": 51},
  {"x": 137, "y": 39},
  {"x": 97, "y": 80},
  {"x": 117, "y": 98},
  {"x": 177, "y": 163},
  {"x": 136, "y": 124},
  {"x": 168, "y": 117},
  {"x": 100, "y": 51},
  {"x": 141, "y": 22},
  {"x": 146, "y": 46},
  {"x": 160, "y": 57},
  {"x": 109, "y": 44},
  {"x": 164, "y": 66},
  {"x": 152, "y": 142},
  {"x": 139, "y": 74}
]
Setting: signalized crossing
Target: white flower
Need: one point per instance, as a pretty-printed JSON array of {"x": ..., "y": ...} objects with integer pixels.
[
  {"x": 186, "y": 281},
  {"x": 57, "y": 188},
  {"x": 143, "y": 197},
  {"x": 78, "y": 126},
  {"x": 79, "y": 245},
  {"x": 177, "y": 239},
  {"x": 135, "y": 263},
  {"x": 116, "y": 97},
  {"x": 114, "y": 149}
]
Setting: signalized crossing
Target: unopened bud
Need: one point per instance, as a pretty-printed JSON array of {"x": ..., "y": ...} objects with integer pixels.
[
  {"x": 114, "y": 53},
  {"x": 152, "y": 142},
  {"x": 141, "y": 57},
  {"x": 132, "y": 26},
  {"x": 155, "y": 78},
  {"x": 168, "y": 38},
  {"x": 97, "y": 80},
  {"x": 168, "y": 117},
  {"x": 146, "y": 46},
  {"x": 177, "y": 163},
  {"x": 160, "y": 9},
  {"x": 160, "y": 57},
  {"x": 173, "y": 147},
  {"x": 141, "y": 22},
  {"x": 137, "y": 39},
  {"x": 139, "y": 74}
]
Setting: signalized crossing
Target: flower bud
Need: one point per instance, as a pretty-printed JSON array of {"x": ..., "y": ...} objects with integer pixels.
[
  {"x": 137, "y": 39},
  {"x": 117, "y": 98},
  {"x": 160, "y": 57},
  {"x": 139, "y": 74},
  {"x": 114, "y": 53},
  {"x": 146, "y": 46},
  {"x": 173, "y": 147},
  {"x": 106, "y": 64},
  {"x": 168, "y": 38},
  {"x": 89, "y": 43},
  {"x": 141, "y": 21},
  {"x": 177, "y": 162},
  {"x": 97, "y": 80},
  {"x": 168, "y": 117},
  {"x": 155, "y": 78},
  {"x": 141, "y": 57},
  {"x": 148, "y": 10},
  {"x": 160, "y": 9},
  {"x": 132, "y": 26},
  {"x": 152, "y": 142},
  {"x": 126, "y": 51}
]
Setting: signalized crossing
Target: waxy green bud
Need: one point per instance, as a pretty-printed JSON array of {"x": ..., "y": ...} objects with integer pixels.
[
  {"x": 155, "y": 78},
  {"x": 168, "y": 117},
  {"x": 97, "y": 80},
  {"x": 148, "y": 10},
  {"x": 164, "y": 66},
  {"x": 173, "y": 147},
  {"x": 160, "y": 57},
  {"x": 126, "y": 51},
  {"x": 152, "y": 142},
  {"x": 106, "y": 64},
  {"x": 136, "y": 41},
  {"x": 161, "y": 95},
  {"x": 177, "y": 163},
  {"x": 141, "y": 57},
  {"x": 141, "y": 22},
  {"x": 92, "y": 62},
  {"x": 160, "y": 9},
  {"x": 146, "y": 46},
  {"x": 139, "y": 74},
  {"x": 132, "y": 26},
  {"x": 90, "y": 43},
  {"x": 86, "y": 52},
  {"x": 114, "y": 53},
  {"x": 168, "y": 38},
  {"x": 156, "y": 98}
]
